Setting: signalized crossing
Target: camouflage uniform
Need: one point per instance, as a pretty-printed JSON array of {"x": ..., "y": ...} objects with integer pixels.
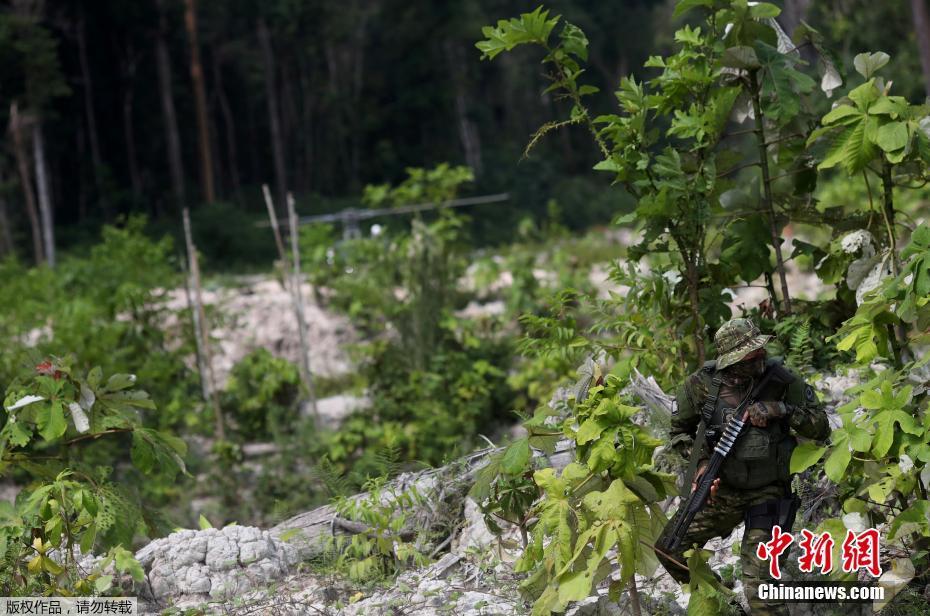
[{"x": 756, "y": 471}]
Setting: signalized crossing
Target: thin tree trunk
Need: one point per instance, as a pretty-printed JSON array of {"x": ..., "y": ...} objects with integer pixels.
[
  {"x": 336, "y": 126},
  {"x": 922, "y": 31},
  {"x": 229, "y": 124},
  {"x": 768, "y": 201},
  {"x": 219, "y": 173},
  {"x": 135, "y": 177},
  {"x": 634, "y": 598},
  {"x": 200, "y": 101},
  {"x": 82, "y": 196},
  {"x": 695, "y": 302},
  {"x": 172, "y": 137},
  {"x": 25, "y": 178},
  {"x": 468, "y": 132},
  {"x": 92, "y": 134},
  {"x": 794, "y": 13},
  {"x": 6, "y": 233},
  {"x": 194, "y": 265},
  {"x": 271, "y": 95},
  {"x": 45, "y": 192},
  {"x": 309, "y": 175},
  {"x": 897, "y": 335},
  {"x": 358, "y": 81}
]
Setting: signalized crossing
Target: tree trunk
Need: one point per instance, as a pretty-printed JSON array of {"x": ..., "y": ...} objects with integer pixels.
[
  {"x": 897, "y": 334},
  {"x": 92, "y": 134},
  {"x": 135, "y": 177},
  {"x": 794, "y": 13},
  {"x": 25, "y": 178},
  {"x": 6, "y": 233},
  {"x": 229, "y": 123},
  {"x": 693, "y": 282},
  {"x": 45, "y": 192},
  {"x": 172, "y": 137},
  {"x": 767, "y": 191},
  {"x": 922, "y": 31},
  {"x": 308, "y": 132},
  {"x": 468, "y": 132},
  {"x": 219, "y": 173},
  {"x": 271, "y": 96},
  {"x": 200, "y": 102}
]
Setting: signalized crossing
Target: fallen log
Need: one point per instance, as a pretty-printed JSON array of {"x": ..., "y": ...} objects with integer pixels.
[
  {"x": 444, "y": 490},
  {"x": 221, "y": 563}
]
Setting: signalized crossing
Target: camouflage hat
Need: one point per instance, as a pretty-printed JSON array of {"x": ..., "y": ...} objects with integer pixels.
[{"x": 735, "y": 339}]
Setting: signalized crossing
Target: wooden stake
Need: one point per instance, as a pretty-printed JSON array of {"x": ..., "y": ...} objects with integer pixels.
[
  {"x": 198, "y": 335},
  {"x": 273, "y": 217},
  {"x": 299, "y": 305},
  {"x": 204, "y": 329}
]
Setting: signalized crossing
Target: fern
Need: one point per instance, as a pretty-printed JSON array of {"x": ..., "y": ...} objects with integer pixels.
[
  {"x": 389, "y": 460},
  {"x": 801, "y": 347},
  {"x": 328, "y": 474}
]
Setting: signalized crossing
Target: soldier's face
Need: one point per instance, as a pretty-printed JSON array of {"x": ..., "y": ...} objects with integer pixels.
[{"x": 752, "y": 365}]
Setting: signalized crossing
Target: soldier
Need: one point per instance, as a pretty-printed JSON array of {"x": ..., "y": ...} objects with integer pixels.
[{"x": 755, "y": 483}]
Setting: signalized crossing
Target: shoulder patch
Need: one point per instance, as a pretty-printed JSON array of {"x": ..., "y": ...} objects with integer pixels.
[{"x": 809, "y": 393}]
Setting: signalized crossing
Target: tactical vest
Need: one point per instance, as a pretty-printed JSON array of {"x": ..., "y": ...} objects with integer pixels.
[{"x": 761, "y": 456}]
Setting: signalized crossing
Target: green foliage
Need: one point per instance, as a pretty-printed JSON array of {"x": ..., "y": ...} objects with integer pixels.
[
  {"x": 52, "y": 422},
  {"x": 384, "y": 545},
  {"x": 430, "y": 415},
  {"x": 669, "y": 147},
  {"x": 436, "y": 185},
  {"x": 261, "y": 395},
  {"x": 605, "y": 500},
  {"x": 110, "y": 304},
  {"x": 868, "y": 124},
  {"x": 434, "y": 380},
  {"x": 32, "y": 71},
  {"x": 901, "y": 299},
  {"x": 666, "y": 146}
]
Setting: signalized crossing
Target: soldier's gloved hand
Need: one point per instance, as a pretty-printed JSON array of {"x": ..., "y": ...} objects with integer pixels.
[
  {"x": 761, "y": 412},
  {"x": 697, "y": 478}
]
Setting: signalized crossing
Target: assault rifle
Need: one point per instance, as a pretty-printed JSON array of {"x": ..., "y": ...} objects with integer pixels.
[{"x": 724, "y": 444}]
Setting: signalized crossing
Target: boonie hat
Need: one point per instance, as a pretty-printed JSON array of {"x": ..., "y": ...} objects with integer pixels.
[{"x": 736, "y": 339}]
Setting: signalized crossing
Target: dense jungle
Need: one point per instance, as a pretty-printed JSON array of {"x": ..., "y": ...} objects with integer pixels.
[{"x": 379, "y": 307}]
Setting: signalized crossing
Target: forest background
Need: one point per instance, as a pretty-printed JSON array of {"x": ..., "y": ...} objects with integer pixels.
[{"x": 120, "y": 115}]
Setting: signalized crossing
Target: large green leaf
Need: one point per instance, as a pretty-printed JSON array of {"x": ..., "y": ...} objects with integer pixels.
[
  {"x": 805, "y": 455},
  {"x": 783, "y": 81},
  {"x": 532, "y": 27},
  {"x": 19, "y": 433},
  {"x": 51, "y": 420},
  {"x": 842, "y": 114},
  {"x": 851, "y": 147},
  {"x": 516, "y": 457},
  {"x": 746, "y": 246},
  {"x": 683, "y": 6},
  {"x": 837, "y": 461},
  {"x": 892, "y": 136},
  {"x": 915, "y": 518}
]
